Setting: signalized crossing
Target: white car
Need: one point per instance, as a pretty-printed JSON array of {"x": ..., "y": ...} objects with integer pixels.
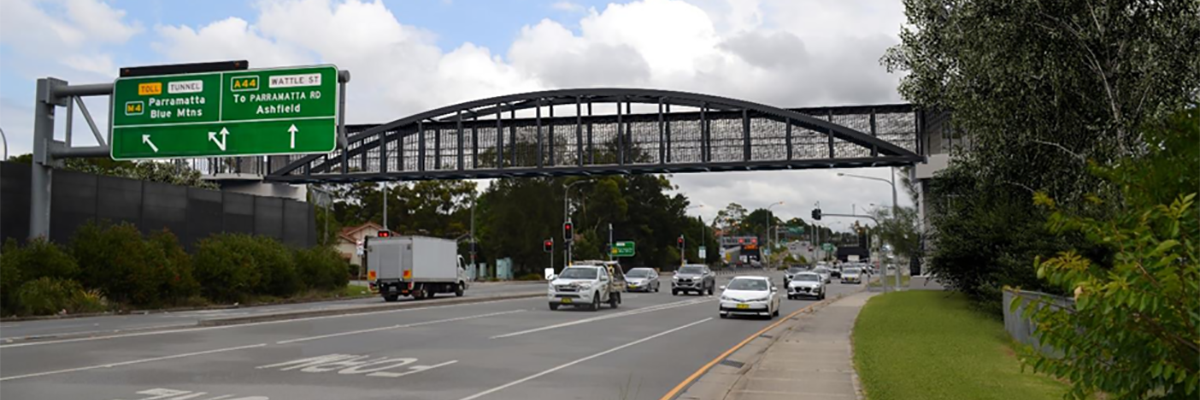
[
  {"x": 749, "y": 295},
  {"x": 824, "y": 272},
  {"x": 806, "y": 284},
  {"x": 852, "y": 275},
  {"x": 584, "y": 286}
]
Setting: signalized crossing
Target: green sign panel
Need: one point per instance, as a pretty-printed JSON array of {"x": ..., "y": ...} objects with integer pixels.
[
  {"x": 795, "y": 230},
  {"x": 622, "y": 249},
  {"x": 827, "y": 246},
  {"x": 230, "y": 113}
]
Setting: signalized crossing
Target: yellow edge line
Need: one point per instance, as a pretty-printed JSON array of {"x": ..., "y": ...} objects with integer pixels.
[{"x": 700, "y": 372}]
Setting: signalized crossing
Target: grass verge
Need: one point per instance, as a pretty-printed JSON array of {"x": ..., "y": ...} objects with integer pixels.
[
  {"x": 932, "y": 345},
  {"x": 890, "y": 280}
]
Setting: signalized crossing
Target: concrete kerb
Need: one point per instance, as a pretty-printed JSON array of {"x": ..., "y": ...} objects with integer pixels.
[
  {"x": 729, "y": 373},
  {"x": 362, "y": 310}
]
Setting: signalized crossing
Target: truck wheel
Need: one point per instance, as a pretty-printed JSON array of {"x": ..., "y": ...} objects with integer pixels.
[
  {"x": 595, "y": 302},
  {"x": 458, "y": 290},
  {"x": 553, "y": 306},
  {"x": 418, "y": 294},
  {"x": 391, "y": 297}
]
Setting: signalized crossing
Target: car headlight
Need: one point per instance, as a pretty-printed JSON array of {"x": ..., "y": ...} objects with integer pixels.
[
  {"x": 762, "y": 299},
  {"x": 585, "y": 285}
]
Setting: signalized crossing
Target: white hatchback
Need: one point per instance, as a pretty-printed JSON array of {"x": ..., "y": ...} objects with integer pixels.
[{"x": 749, "y": 295}]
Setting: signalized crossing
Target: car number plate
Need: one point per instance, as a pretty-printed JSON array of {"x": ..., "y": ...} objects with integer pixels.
[
  {"x": 566, "y": 301},
  {"x": 743, "y": 306}
]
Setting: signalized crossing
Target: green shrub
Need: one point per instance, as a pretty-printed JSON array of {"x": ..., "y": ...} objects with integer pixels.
[
  {"x": 48, "y": 295},
  {"x": 10, "y": 277},
  {"x": 321, "y": 268},
  {"x": 119, "y": 262},
  {"x": 225, "y": 268},
  {"x": 180, "y": 284},
  {"x": 275, "y": 262},
  {"x": 40, "y": 258}
]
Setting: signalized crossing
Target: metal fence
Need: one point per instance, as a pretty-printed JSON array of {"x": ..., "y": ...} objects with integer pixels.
[
  {"x": 190, "y": 213},
  {"x": 1019, "y": 325}
]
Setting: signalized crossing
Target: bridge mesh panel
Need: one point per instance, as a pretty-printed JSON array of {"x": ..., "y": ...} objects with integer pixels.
[
  {"x": 410, "y": 152},
  {"x": 768, "y": 139},
  {"x": 859, "y": 122},
  {"x": 604, "y": 142},
  {"x": 644, "y": 149},
  {"x": 448, "y": 156},
  {"x": 685, "y": 140},
  {"x": 725, "y": 136},
  {"x": 898, "y": 128}
]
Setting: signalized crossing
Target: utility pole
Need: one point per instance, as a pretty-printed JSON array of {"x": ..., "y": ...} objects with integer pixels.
[
  {"x": 385, "y": 188},
  {"x": 473, "y": 202},
  {"x": 610, "y": 242}
]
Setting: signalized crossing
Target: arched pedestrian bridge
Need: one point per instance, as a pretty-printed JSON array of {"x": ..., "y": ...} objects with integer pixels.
[{"x": 612, "y": 131}]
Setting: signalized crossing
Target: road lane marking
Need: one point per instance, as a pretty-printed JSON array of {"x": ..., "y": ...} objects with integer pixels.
[
  {"x": 398, "y": 326},
  {"x": 567, "y": 365},
  {"x": 700, "y": 372},
  {"x": 131, "y": 362},
  {"x": 208, "y": 328},
  {"x": 635, "y": 311},
  {"x": 350, "y": 364}
]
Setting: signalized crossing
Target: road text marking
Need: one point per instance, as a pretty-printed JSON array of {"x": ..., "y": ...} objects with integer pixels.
[{"x": 350, "y": 364}]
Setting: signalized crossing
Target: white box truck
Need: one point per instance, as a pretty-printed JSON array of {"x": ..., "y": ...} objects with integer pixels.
[{"x": 414, "y": 266}]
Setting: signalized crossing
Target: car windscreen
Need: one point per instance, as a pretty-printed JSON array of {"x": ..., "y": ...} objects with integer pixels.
[
  {"x": 638, "y": 273},
  {"x": 793, "y": 270},
  {"x": 852, "y": 271},
  {"x": 578, "y": 273},
  {"x": 821, "y": 270},
  {"x": 807, "y": 278},
  {"x": 747, "y": 284},
  {"x": 691, "y": 270}
]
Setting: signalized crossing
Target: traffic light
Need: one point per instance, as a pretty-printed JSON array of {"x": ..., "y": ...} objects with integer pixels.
[
  {"x": 816, "y": 214},
  {"x": 568, "y": 232},
  {"x": 680, "y": 241},
  {"x": 548, "y": 245},
  {"x": 383, "y": 234}
]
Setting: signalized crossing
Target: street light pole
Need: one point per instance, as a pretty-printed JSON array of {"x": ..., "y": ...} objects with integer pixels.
[
  {"x": 895, "y": 207},
  {"x": 767, "y": 235},
  {"x": 567, "y": 218}
]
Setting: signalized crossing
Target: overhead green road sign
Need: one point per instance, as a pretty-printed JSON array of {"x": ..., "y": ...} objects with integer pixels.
[
  {"x": 230, "y": 113},
  {"x": 623, "y": 249}
]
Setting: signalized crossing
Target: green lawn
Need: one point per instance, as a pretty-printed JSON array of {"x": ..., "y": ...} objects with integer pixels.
[
  {"x": 931, "y": 345},
  {"x": 891, "y": 280}
]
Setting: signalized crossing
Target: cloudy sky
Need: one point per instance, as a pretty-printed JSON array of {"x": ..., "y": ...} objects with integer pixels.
[{"x": 408, "y": 56}]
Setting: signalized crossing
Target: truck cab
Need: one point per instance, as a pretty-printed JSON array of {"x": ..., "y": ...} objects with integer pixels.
[{"x": 587, "y": 285}]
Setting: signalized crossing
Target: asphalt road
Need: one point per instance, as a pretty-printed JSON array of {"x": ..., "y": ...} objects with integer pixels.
[
  {"x": 513, "y": 349},
  {"x": 108, "y": 324}
]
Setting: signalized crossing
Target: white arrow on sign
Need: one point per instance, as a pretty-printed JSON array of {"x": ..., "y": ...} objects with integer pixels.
[
  {"x": 293, "y": 130},
  {"x": 146, "y": 140},
  {"x": 224, "y": 137}
]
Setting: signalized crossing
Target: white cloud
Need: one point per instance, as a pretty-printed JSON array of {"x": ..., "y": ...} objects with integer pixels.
[
  {"x": 567, "y": 6},
  {"x": 65, "y": 32}
]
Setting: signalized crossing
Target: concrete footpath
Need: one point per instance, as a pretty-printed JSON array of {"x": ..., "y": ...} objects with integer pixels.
[{"x": 807, "y": 357}]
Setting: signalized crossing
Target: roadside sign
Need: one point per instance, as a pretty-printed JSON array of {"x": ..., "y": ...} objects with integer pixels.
[
  {"x": 623, "y": 249},
  {"x": 703, "y": 253},
  {"x": 827, "y": 246},
  {"x": 795, "y": 230},
  {"x": 229, "y": 113},
  {"x": 548, "y": 274},
  {"x": 358, "y": 247}
]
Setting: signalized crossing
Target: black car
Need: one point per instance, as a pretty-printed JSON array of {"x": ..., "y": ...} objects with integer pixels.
[{"x": 693, "y": 278}]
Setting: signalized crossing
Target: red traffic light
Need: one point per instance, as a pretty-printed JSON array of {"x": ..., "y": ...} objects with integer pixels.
[
  {"x": 383, "y": 234},
  {"x": 548, "y": 245}
]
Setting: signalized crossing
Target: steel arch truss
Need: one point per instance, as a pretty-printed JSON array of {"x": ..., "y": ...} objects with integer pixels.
[{"x": 611, "y": 131}]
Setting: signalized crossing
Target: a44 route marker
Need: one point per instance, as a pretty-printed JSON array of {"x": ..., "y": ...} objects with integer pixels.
[{"x": 229, "y": 113}]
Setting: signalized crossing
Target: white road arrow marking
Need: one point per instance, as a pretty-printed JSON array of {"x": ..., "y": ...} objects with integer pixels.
[
  {"x": 293, "y": 130},
  {"x": 146, "y": 140},
  {"x": 224, "y": 137}
]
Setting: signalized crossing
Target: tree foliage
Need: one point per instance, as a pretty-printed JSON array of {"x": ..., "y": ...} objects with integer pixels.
[
  {"x": 1036, "y": 88},
  {"x": 1134, "y": 329}
]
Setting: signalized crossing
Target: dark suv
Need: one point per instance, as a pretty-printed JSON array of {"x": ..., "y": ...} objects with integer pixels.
[{"x": 693, "y": 278}]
